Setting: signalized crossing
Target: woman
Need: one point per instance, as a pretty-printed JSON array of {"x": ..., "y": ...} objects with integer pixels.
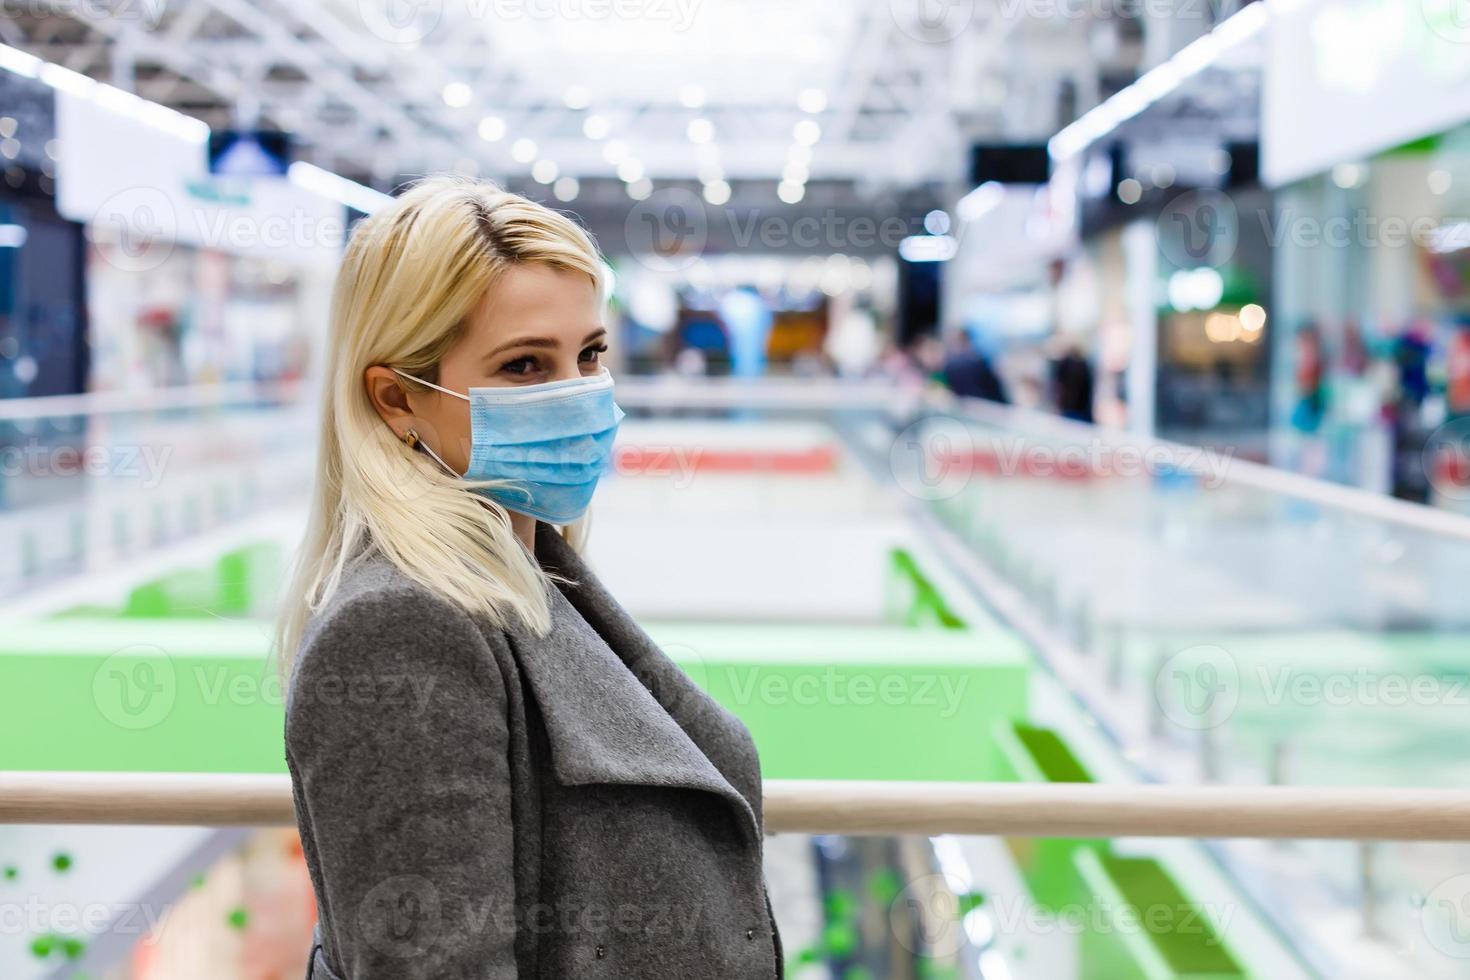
[{"x": 496, "y": 773}]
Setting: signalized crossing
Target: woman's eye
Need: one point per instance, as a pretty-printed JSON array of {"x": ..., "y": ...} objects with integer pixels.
[
  {"x": 590, "y": 355},
  {"x": 521, "y": 365}
]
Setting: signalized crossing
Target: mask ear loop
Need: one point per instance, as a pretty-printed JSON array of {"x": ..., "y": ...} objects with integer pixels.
[{"x": 412, "y": 439}]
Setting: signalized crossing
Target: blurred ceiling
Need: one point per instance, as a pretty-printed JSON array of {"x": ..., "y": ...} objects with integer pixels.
[{"x": 879, "y": 93}]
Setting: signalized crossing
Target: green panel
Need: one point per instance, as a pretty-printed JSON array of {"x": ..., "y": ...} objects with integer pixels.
[
  {"x": 1047, "y": 865},
  {"x": 249, "y": 578},
  {"x": 822, "y": 702},
  {"x": 190, "y": 593},
  {"x": 1141, "y": 926},
  {"x": 912, "y": 599},
  {"x": 849, "y": 702},
  {"x": 119, "y": 695}
]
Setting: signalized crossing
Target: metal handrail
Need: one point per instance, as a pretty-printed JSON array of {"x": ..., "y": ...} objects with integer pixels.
[
  {"x": 124, "y": 402},
  {"x": 836, "y": 807}
]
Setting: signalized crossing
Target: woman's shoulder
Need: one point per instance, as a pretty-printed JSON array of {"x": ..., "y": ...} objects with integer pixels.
[{"x": 379, "y": 622}]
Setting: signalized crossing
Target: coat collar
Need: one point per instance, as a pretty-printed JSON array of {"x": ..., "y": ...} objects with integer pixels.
[{"x": 615, "y": 708}]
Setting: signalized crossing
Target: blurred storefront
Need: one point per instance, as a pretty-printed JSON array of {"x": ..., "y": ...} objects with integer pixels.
[{"x": 1372, "y": 246}]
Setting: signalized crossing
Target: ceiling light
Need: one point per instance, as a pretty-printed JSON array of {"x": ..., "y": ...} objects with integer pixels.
[
  {"x": 928, "y": 248},
  {"x": 336, "y": 187},
  {"x": 457, "y": 95},
  {"x": 1349, "y": 175},
  {"x": 566, "y": 188},
  {"x": 577, "y": 97},
  {"x": 936, "y": 222},
  {"x": 806, "y": 132},
  {"x": 615, "y": 152},
  {"x": 595, "y": 127},
  {"x": 717, "y": 192},
  {"x": 791, "y": 191},
  {"x": 691, "y": 96},
  {"x": 639, "y": 189},
  {"x": 701, "y": 131},
  {"x": 630, "y": 170},
  {"x": 492, "y": 128},
  {"x": 523, "y": 150},
  {"x": 544, "y": 171},
  {"x": 812, "y": 100},
  {"x": 1252, "y": 317}
]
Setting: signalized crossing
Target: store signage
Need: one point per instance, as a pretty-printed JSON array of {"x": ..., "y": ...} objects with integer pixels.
[
  {"x": 1347, "y": 79},
  {"x": 137, "y": 184}
]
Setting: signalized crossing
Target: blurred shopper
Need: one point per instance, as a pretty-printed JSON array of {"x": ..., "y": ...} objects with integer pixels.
[
  {"x": 1071, "y": 385},
  {"x": 967, "y": 372},
  {"x": 496, "y": 772}
]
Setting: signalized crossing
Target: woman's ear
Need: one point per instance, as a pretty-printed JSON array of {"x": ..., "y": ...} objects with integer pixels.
[{"x": 390, "y": 399}]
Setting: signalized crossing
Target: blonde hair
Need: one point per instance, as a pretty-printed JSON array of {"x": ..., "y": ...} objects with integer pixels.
[{"x": 411, "y": 274}]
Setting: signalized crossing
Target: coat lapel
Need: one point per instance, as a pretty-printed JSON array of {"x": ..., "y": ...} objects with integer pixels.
[{"x": 616, "y": 709}]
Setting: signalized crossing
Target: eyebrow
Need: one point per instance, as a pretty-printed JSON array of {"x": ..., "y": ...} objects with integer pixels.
[{"x": 541, "y": 342}]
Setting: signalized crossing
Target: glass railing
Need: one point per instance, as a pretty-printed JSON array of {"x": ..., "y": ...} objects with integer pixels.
[{"x": 1046, "y": 604}]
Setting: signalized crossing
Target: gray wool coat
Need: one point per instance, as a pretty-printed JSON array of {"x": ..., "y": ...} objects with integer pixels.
[{"x": 479, "y": 803}]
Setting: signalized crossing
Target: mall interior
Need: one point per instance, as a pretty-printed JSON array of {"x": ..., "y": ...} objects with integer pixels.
[{"x": 1053, "y": 401}]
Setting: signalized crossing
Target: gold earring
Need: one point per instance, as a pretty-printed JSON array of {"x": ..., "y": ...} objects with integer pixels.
[{"x": 410, "y": 438}]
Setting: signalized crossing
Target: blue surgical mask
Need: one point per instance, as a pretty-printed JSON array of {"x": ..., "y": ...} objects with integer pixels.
[{"x": 553, "y": 441}]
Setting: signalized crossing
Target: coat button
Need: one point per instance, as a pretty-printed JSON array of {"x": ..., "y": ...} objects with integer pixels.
[
  {"x": 750, "y": 934},
  {"x": 600, "y": 952}
]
